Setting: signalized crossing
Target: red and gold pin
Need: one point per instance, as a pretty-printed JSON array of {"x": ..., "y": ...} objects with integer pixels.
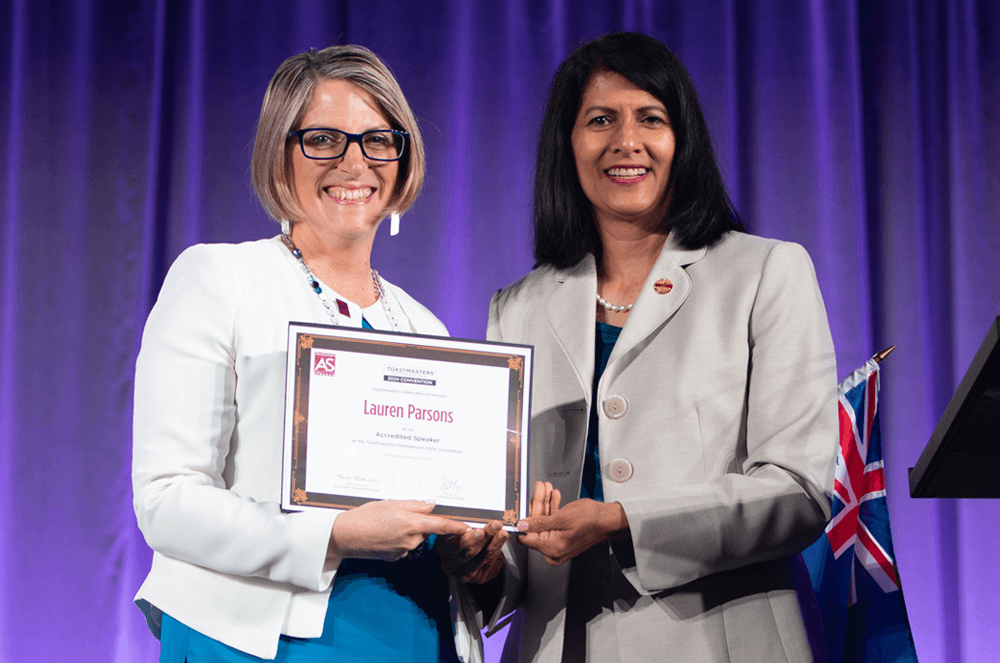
[{"x": 663, "y": 286}]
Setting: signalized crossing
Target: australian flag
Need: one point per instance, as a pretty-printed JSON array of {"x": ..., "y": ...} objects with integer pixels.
[{"x": 852, "y": 566}]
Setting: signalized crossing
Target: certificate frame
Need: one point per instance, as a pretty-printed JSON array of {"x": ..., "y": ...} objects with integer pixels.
[{"x": 310, "y": 345}]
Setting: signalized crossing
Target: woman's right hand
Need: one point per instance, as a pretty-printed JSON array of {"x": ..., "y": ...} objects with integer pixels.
[
  {"x": 387, "y": 529},
  {"x": 476, "y": 556}
]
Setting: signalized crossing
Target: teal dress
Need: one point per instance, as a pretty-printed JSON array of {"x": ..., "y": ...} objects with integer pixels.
[
  {"x": 591, "y": 587},
  {"x": 605, "y": 339},
  {"x": 392, "y": 612}
]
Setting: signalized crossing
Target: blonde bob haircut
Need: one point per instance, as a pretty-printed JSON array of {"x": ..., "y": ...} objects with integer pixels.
[{"x": 286, "y": 101}]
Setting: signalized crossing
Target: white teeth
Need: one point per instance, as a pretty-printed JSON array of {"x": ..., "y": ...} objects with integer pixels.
[
  {"x": 626, "y": 172},
  {"x": 348, "y": 194}
]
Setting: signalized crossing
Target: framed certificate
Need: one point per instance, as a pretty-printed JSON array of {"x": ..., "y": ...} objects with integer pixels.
[{"x": 380, "y": 415}]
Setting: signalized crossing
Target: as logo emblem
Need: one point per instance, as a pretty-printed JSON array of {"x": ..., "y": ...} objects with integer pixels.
[{"x": 324, "y": 363}]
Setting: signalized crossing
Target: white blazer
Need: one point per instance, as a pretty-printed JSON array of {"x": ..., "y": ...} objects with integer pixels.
[
  {"x": 722, "y": 459},
  {"x": 207, "y": 446}
]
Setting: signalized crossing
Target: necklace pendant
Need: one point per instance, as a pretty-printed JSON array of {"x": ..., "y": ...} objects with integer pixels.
[{"x": 342, "y": 306}]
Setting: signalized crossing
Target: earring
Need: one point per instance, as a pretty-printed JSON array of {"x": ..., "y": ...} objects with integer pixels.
[
  {"x": 286, "y": 227},
  {"x": 394, "y": 223}
]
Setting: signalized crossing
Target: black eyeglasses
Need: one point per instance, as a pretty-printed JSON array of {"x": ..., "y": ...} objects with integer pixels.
[{"x": 377, "y": 145}]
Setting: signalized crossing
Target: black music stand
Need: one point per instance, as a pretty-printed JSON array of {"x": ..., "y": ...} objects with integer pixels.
[{"x": 962, "y": 458}]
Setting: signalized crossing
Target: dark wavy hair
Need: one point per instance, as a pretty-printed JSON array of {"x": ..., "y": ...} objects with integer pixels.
[{"x": 700, "y": 208}]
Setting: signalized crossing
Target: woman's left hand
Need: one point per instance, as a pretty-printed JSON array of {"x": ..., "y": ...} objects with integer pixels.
[
  {"x": 570, "y": 530},
  {"x": 475, "y": 556}
]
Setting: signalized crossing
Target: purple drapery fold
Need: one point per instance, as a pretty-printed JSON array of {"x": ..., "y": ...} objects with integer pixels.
[{"x": 10, "y": 305}]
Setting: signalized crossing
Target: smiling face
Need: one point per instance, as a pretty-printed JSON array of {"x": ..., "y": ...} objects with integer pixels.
[
  {"x": 344, "y": 197},
  {"x": 623, "y": 145}
]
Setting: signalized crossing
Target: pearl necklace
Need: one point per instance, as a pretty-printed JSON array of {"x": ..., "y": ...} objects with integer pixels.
[
  {"x": 331, "y": 310},
  {"x": 614, "y": 307}
]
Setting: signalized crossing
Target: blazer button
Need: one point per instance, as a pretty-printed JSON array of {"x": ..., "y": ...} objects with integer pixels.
[
  {"x": 620, "y": 470},
  {"x": 615, "y": 407}
]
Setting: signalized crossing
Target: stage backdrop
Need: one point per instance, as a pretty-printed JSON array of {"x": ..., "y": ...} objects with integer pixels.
[{"x": 867, "y": 131}]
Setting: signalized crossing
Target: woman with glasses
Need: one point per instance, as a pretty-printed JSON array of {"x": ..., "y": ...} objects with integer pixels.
[
  {"x": 684, "y": 415},
  {"x": 233, "y": 577}
]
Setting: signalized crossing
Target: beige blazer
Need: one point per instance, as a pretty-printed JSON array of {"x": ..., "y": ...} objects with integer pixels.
[{"x": 722, "y": 454}]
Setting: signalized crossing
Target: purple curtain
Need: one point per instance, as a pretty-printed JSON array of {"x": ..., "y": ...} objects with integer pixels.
[{"x": 866, "y": 131}]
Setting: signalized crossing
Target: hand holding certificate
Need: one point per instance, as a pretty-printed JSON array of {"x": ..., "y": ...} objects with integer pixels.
[
  {"x": 374, "y": 416},
  {"x": 402, "y": 526},
  {"x": 476, "y": 556}
]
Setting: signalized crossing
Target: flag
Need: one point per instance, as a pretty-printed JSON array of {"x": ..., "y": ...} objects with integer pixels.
[{"x": 852, "y": 567}]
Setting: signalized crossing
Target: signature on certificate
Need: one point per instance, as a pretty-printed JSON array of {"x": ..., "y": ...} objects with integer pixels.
[{"x": 450, "y": 484}]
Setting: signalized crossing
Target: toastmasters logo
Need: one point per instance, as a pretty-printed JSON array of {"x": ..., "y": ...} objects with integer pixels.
[
  {"x": 324, "y": 363},
  {"x": 410, "y": 375}
]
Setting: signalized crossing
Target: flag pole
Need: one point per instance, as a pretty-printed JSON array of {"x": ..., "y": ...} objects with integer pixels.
[{"x": 879, "y": 356}]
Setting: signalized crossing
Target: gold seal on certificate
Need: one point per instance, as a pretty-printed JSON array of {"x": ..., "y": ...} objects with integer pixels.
[{"x": 379, "y": 415}]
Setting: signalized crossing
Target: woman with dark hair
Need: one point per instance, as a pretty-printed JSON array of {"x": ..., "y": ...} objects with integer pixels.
[{"x": 684, "y": 419}]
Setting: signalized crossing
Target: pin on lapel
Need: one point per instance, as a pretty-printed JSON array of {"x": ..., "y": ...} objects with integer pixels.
[{"x": 663, "y": 286}]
